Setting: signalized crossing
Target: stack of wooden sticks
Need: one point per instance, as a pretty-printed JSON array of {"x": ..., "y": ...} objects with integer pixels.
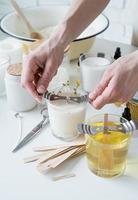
[{"x": 50, "y": 157}]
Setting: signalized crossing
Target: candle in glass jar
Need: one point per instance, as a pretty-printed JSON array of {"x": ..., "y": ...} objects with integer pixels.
[{"x": 64, "y": 118}]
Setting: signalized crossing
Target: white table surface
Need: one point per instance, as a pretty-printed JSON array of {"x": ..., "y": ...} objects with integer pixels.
[{"x": 23, "y": 182}]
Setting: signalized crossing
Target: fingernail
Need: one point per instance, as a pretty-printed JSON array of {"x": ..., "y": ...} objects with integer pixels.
[
  {"x": 41, "y": 89},
  {"x": 91, "y": 95}
]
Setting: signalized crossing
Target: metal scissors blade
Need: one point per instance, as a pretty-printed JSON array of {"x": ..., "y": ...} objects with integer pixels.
[{"x": 31, "y": 135}]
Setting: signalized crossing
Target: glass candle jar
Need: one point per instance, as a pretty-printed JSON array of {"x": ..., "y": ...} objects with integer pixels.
[
  {"x": 64, "y": 117},
  {"x": 107, "y": 152}
]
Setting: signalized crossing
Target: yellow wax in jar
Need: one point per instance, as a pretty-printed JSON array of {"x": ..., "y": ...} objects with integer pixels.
[
  {"x": 106, "y": 153},
  {"x": 113, "y": 137}
]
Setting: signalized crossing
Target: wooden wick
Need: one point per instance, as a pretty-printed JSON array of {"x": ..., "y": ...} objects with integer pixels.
[
  {"x": 57, "y": 178},
  {"x": 106, "y": 123}
]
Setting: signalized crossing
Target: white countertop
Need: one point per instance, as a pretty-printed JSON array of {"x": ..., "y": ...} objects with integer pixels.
[{"x": 23, "y": 182}]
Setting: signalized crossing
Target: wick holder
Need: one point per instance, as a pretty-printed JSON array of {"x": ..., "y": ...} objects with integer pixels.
[{"x": 54, "y": 97}]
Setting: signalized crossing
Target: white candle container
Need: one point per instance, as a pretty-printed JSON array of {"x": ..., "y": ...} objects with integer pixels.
[
  {"x": 4, "y": 63},
  {"x": 17, "y": 97},
  {"x": 64, "y": 117},
  {"x": 92, "y": 70}
]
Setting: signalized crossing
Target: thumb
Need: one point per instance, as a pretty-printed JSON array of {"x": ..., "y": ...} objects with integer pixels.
[{"x": 46, "y": 77}]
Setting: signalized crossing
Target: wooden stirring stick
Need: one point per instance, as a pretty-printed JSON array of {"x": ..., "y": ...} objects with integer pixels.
[{"x": 34, "y": 34}]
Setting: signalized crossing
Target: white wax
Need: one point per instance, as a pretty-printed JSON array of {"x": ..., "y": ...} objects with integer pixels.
[
  {"x": 92, "y": 70},
  {"x": 64, "y": 118}
]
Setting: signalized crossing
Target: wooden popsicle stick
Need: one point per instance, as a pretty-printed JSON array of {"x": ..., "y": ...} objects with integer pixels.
[
  {"x": 45, "y": 153},
  {"x": 55, "y": 162},
  {"x": 79, "y": 152},
  {"x": 33, "y": 158},
  {"x": 51, "y": 155},
  {"x": 48, "y": 148},
  {"x": 57, "y": 178},
  {"x": 54, "y": 154},
  {"x": 62, "y": 158}
]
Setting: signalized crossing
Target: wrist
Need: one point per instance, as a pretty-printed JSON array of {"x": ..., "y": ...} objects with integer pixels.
[{"x": 62, "y": 36}]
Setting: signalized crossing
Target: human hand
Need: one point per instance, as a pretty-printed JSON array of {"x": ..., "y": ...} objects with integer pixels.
[
  {"x": 40, "y": 66},
  {"x": 119, "y": 83}
]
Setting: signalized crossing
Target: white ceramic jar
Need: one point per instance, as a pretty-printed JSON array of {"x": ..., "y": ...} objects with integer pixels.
[{"x": 18, "y": 98}]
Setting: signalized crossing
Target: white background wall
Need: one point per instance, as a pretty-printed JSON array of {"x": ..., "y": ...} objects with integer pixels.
[
  {"x": 123, "y": 15},
  {"x": 124, "y": 20}
]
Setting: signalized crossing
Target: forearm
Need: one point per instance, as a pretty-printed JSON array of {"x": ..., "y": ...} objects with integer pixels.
[{"x": 79, "y": 16}]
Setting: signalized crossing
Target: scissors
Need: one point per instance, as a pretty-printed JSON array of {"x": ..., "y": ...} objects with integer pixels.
[{"x": 34, "y": 132}]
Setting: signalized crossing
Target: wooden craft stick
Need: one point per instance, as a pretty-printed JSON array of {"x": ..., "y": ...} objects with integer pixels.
[
  {"x": 49, "y": 148},
  {"x": 55, "y": 162},
  {"x": 54, "y": 154},
  {"x": 33, "y": 158},
  {"x": 106, "y": 123},
  {"x": 57, "y": 178},
  {"x": 62, "y": 158},
  {"x": 79, "y": 152},
  {"x": 46, "y": 154}
]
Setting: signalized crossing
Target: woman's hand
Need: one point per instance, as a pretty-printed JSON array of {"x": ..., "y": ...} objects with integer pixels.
[
  {"x": 118, "y": 84},
  {"x": 40, "y": 66}
]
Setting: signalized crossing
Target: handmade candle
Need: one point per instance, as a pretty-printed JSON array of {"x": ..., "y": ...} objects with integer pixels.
[
  {"x": 107, "y": 151},
  {"x": 64, "y": 118}
]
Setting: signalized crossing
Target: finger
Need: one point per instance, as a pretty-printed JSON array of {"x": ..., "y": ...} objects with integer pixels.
[
  {"x": 32, "y": 91},
  {"x": 102, "y": 99},
  {"x": 109, "y": 95},
  {"x": 101, "y": 87},
  {"x": 27, "y": 80},
  {"x": 37, "y": 76},
  {"x": 46, "y": 77}
]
